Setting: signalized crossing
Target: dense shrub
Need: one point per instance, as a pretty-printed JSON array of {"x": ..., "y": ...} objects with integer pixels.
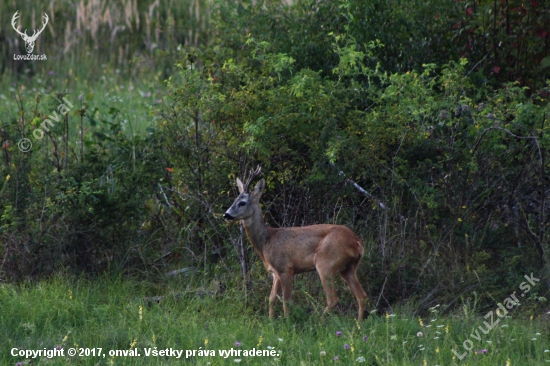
[
  {"x": 456, "y": 174},
  {"x": 448, "y": 155},
  {"x": 76, "y": 206}
]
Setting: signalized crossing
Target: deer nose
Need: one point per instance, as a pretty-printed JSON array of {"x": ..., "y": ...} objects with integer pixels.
[{"x": 227, "y": 216}]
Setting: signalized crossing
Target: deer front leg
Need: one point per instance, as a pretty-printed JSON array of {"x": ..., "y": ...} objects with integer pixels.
[
  {"x": 275, "y": 292},
  {"x": 287, "y": 281}
]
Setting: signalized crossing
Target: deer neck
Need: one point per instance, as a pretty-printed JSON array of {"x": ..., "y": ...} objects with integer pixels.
[{"x": 257, "y": 231}]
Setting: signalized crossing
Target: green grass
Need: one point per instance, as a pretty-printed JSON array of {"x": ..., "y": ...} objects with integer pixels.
[{"x": 119, "y": 315}]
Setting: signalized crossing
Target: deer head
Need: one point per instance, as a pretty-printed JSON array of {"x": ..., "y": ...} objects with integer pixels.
[
  {"x": 29, "y": 40},
  {"x": 244, "y": 205}
]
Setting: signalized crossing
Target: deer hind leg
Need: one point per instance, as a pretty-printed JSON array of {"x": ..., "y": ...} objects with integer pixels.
[
  {"x": 287, "y": 281},
  {"x": 275, "y": 291},
  {"x": 350, "y": 277},
  {"x": 327, "y": 279}
]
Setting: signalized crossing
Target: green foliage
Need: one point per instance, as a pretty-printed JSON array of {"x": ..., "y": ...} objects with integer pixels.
[
  {"x": 403, "y": 98},
  {"x": 433, "y": 147},
  {"x": 75, "y": 199}
]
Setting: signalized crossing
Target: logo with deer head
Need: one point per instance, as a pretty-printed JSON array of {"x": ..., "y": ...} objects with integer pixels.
[{"x": 29, "y": 40}]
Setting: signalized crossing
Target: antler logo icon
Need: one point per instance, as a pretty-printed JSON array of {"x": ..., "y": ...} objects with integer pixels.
[{"x": 29, "y": 40}]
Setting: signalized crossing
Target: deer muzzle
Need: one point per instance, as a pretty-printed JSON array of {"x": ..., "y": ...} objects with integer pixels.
[{"x": 228, "y": 216}]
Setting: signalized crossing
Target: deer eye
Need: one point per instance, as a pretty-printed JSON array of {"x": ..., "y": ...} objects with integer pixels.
[{"x": 242, "y": 203}]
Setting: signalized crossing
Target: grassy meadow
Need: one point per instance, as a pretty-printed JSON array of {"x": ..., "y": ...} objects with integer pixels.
[{"x": 124, "y": 314}]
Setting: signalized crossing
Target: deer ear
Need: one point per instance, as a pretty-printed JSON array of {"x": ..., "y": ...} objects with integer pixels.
[
  {"x": 240, "y": 185},
  {"x": 259, "y": 189}
]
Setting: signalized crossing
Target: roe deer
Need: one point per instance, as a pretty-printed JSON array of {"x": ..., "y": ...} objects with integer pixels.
[{"x": 329, "y": 249}]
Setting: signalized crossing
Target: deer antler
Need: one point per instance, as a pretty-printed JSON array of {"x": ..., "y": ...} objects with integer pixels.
[
  {"x": 253, "y": 174},
  {"x": 44, "y": 23},
  {"x": 14, "y": 20},
  {"x": 35, "y": 32}
]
